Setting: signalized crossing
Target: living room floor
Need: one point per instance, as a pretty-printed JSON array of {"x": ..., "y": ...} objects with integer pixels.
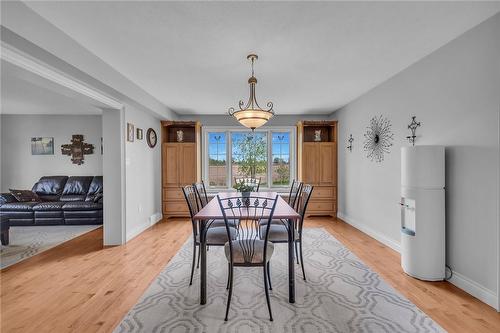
[{"x": 81, "y": 286}]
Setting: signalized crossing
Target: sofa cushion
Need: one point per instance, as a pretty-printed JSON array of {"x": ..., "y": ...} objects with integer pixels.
[
  {"x": 6, "y": 198},
  {"x": 24, "y": 195},
  {"x": 72, "y": 197},
  {"x": 49, "y": 205},
  {"x": 82, "y": 205},
  {"x": 77, "y": 185},
  {"x": 18, "y": 206},
  {"x": 95, "y": 188},
  {"x": 50, "y": 187}
]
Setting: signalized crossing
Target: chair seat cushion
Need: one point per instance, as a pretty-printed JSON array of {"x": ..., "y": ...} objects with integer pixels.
[
  {"x": 82, "y": 205},
  {"x": 49, "y": 205},
  {"x": 221, "y": 223},
  {"x": 18, "y": 206},
  {"x": 217, "y": 235},
  {"x": 243, "y": 254},
  {"x": 277, "y": 233}
]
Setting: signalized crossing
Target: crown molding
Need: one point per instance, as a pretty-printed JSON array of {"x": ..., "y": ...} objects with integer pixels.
[{"x": 28, "y": 63}]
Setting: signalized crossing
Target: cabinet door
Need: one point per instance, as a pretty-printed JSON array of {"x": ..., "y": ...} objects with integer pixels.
[
  {"x": 187, "y": 164},
  {"x": 327, "y": 157},
  {"x": 170, "y": 165},
  {"x": 310, "y": 163}
]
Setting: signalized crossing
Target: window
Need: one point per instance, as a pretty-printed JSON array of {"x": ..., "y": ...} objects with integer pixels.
[
  {"x": 217, "y": 161},
  {"x": 281, "y": 158},
  {"x": 249, "y": 156},
  {"x": 231, "y": 153}
]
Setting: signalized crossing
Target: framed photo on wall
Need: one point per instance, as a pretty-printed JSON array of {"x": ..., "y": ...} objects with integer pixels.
[
  {"x": 130, "y": 132},
  {"x": 139, "y": 134},
  {"x": 42, "y": 146}
]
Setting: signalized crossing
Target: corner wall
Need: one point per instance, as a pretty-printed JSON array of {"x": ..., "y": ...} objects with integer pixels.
[
  {"x": 143, "y": 174},
  {"x": 455, "y": 93}
]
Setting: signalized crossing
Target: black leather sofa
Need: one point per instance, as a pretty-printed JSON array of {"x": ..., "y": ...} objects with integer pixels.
[{"x": 63, "y": 200}]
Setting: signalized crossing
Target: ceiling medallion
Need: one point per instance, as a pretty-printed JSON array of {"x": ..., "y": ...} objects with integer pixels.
[{"x": 252, "y": 115}]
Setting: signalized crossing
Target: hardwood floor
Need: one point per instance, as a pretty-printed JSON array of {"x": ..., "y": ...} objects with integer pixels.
[{"x": 80, "y": 286}]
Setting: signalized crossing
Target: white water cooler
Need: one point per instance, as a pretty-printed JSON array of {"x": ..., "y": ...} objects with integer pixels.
[{"x": 423, "y": 212}]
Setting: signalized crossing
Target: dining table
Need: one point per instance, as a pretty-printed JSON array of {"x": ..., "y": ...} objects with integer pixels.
[{"x": 212, "y": 211}]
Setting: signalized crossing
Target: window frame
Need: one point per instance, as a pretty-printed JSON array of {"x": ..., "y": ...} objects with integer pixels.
[{"x": 231, "y": 129}]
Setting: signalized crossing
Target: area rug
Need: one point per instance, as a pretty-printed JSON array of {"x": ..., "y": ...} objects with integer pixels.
[
  {"x": 27, "y": 241},
  {"x": 341, "y": 295}
]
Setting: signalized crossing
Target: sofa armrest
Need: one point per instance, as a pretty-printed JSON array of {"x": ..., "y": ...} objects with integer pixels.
[
  {"x": 98, "y": 198},
  {"x": 7, "y": 198}
]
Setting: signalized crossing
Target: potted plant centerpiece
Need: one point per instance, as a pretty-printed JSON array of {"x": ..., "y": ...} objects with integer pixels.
[{"x": 245, "y": 189}]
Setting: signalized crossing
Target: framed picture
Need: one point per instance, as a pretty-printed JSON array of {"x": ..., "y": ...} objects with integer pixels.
[
  {"x": 130, "y": 132},
  {"x": 42, "y": 146},
  {"x": 139, "y": 134}
]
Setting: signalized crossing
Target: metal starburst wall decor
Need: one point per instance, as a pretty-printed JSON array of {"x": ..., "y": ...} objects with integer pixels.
[{"x": 378, "y": 138}]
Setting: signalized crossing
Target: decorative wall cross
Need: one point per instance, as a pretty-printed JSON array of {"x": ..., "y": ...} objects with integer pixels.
[
  {"x": 77, "y": 149},
  {"x": 351, "y": 139},
  {"x": 413, "y": 128}
]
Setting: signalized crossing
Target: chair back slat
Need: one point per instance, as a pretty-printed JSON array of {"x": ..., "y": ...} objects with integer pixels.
[
  {"x": 294, "y": 193},
  {"x": 193, "y": 205},
  {"x": 303, "y": 200},
  {"x": 248, "y": 211},
  {"x": 201, "y": 192}
]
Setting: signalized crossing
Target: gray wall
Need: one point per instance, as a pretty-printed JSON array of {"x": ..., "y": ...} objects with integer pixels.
[
  {"x": 21, "y": 170},
  {"x": 113, "y": 165},
  {"x": 226, "y": 120},
  {"x": 455, "y": 93},
  {"x": 143, "y": 175}
]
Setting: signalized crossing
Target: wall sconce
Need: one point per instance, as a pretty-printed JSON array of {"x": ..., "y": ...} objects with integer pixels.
[
  {"x": 351, "y": 139},
  {"x": 413, "y": 128}
]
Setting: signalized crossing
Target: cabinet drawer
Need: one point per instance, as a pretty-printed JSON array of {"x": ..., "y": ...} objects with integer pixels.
[
  {"x": 322, "y": 192},
  {"x": 320, "y": 206},
  {"x": 175, "y": 208},
  {"x": 173, "y": 194}
]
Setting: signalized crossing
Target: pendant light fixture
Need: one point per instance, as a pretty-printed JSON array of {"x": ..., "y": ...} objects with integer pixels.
[{"x": 252, "y": 115}]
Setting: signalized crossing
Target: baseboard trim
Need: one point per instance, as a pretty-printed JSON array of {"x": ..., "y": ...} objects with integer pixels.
[
  {"x": 370, "y": 232},
  {"x": 153, "y": 219},
  {"x": 475, "y": 289},
  {"x": 469, "y": 286}
]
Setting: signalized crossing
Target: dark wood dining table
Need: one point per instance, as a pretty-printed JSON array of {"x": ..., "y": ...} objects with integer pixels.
[{"x": 212, "y": 211}]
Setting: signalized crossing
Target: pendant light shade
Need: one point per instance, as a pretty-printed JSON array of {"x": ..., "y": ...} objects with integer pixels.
[{"x": 252, "y": 115}]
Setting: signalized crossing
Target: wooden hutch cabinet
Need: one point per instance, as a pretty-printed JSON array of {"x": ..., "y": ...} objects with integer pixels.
[
  {"x": 181, "y": 163},
  {"x": 317, "y": 164}
]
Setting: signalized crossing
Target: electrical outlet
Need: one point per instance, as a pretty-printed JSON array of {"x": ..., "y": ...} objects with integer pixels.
[{"x": 139, "y": 207}]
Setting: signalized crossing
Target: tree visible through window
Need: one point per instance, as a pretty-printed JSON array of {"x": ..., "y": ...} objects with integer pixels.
[{"x": 249, "y": 155}]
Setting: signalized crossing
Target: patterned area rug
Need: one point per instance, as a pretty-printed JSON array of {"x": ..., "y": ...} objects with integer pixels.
[
  {"x": 341, "y": 295},
  {"x": 25, "y": 242}
]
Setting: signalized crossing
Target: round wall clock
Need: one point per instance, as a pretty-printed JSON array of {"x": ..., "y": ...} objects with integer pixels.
[
  {"x": 378, "y": 138},
  {"x": 151, "y": 138}
]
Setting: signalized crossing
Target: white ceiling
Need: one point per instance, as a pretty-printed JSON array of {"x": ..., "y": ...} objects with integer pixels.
[
  {"x": 22, "y": 94},
  {"x": 314, "y": 57}
]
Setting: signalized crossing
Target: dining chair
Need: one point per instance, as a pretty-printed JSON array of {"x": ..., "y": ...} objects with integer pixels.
[
  {"x": 292, "y": 200},
  {"x": 250, "y": 181},
  {"x": 278, "y": 233},
  {"x": 202, "y": 199},
  {"x": 248, "y": 249},
  {"x": 215, "y": 236}
]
